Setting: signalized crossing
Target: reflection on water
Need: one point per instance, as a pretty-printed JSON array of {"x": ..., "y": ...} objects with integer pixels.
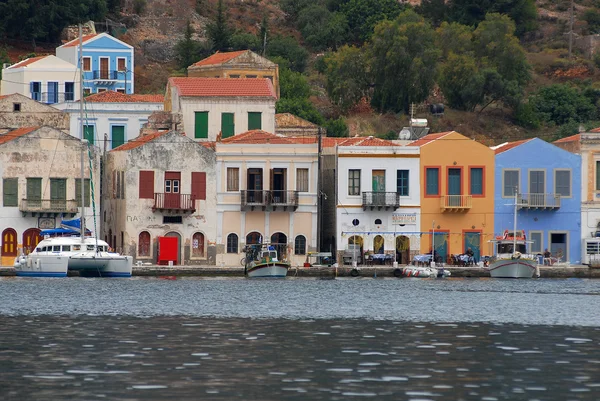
[{"x": 299, "y": 339}]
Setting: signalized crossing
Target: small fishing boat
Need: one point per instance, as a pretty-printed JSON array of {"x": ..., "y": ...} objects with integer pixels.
[
  {"x": 424, "y": 272},
  {"x": 265, "y": 264}
]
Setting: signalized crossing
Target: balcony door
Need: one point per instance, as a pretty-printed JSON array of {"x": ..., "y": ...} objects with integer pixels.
[
  {"x": 172, "y": 189},
  {"x": 454, "y": 186},
  {"x": 103, "y": 68},
  {"x": 255, "y": 185},
  {"x": 378, "y": 187},
  {"x": 278, "y": 181},
  {"x": 58, "y": 193}
]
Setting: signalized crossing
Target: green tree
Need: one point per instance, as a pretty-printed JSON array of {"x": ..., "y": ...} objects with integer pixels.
[
  {"x": 560, "y": 104},
  {"x": 347, "y": 78},
  {"x": 322, "y": 29},
  {"x": 186, "y": 50},
  {"x": 454, "y": 37},
  {"x": 461, "y": 82},
  {"x": 244, "y": 41},
  {"x": 3, "y": 58},
  {"x": 364, "y": 15},
  {"x": 293, "y": 7},
  {"x": 436, "y": 11},
  {"x": 218, "y": 30},
  {"x": 592, "y": 17},
  {"x": 471, "y": 12},
  {"x": 404, "y": 62},
  {"x": 293, "y": 84},
  {"x": 289, "y": 49},
  {"x": 336, "y": 127}
]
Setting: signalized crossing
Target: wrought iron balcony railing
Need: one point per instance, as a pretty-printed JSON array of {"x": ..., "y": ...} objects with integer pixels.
[
  {"x": 55, "y": 206},
  {"x": 456, "y": 203},
  {"x": 53, "y": 97},
  {"x": 538, "y": 201},
  {"x": 106, "y": 75},
  {"x": 380, "y": 200},
  {"x": 252, "y": 198},
  {"x": 174, "y": 202}
]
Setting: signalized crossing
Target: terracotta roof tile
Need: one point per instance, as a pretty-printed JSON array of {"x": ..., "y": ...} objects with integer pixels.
[
  {"x": 429, "y": 138},
  {"x": 219, "y": 58},
  {"x": 16, "y": 133},
  {"x": 510, "y": 145},
  {"x": 75, "y": 42},
  {"x": 258, "y": 137},
  {"x": 117, "y": 97},
  {"x": 26, "y": 62},
  {"x": 140, "y": 140},
  {"x": 572, "y": 138},
  {"x": 222, "y": 87}
]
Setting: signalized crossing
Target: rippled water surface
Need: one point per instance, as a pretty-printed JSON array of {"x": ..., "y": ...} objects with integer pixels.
[{"x": 299, "y": 339}]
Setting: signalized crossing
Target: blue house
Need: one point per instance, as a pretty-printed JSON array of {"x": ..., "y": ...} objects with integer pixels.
[
  {"x": 545, "y": 183},
  {"x": 107, "y": 63}
]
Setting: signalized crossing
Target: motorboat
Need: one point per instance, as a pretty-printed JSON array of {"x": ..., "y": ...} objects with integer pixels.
[
  {"x": 425, "y": 272},
  {"x": 265, "y": 263},
  {"x": 511, "y": 259}
]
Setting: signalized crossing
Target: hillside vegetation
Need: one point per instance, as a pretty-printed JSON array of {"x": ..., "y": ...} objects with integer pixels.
[{"x": 502, "y": 68}]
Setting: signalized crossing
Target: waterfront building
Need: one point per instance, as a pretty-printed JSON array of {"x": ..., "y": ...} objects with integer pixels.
[
  {"x": 111, "y": 118},
  {"x": 544, "y": 181},
  {"x": 212, "y": 107},
  {"x": 18, "y": 111},
  {"x": 46, "y": 79},
  {"x": 40, "y": 169},
  {"x": 373, "y": 195},
  {"x": 266, "y": 192},
  {"x": 237, "y": 64},
  {"x": 108, "y": 63},
  {"x": 457, "y": 196},
  {"x": 158, "y": 199}
]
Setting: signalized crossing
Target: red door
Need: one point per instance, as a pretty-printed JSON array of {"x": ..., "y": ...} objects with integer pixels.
[
  {"x": 172, "y": 189},
  {"x": 167, "y": 250},
  {"x": 31, "y": 238}
]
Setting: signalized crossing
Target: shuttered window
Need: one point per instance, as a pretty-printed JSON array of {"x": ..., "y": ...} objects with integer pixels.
[
  {"x": 562, "y": 182},
  {"x": 227, "y": 125},
  {"x": 511, "y": 183},
  {"x": 58, "y": 189},
  {"x": 254, "y": 120},
  {"x": 86, "y": 193},
  {"x": 201, "y": 124},
  {"x": 198, "y": 185},
  {"x": 302, "y": 180},
  {"x": 476, "y": 181},
  {"x": 402, "y": 182},
  {"x": 117, "y": 136},
  {"x": 88, "y": 133},
  {"x": 432, "y": 183},
  {"x": 233, "y": 179},
  {"x": 146, "y": 185},
  {"x": 10, "y": 191}
]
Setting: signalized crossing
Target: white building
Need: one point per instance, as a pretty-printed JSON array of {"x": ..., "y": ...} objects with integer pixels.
[
  {"x": 112, "y": 118},
  {"x": 376, "y": 198},
  {"x": 47, "y": 79},
  {"x": 213, "y": 106},
  {"x": 40, "y": 168}
]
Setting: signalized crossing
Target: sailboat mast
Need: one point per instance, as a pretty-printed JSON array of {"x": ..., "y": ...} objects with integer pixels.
[
  {"x": 82, "y": 224},
  {"x": 515, "y": 225}
]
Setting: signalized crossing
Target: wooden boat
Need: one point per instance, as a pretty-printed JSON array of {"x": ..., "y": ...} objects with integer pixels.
[{"x": 266, "y": 264}]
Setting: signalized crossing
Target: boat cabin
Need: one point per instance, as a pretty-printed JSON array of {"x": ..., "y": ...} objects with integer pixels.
[{"x": 506, "y": 242}]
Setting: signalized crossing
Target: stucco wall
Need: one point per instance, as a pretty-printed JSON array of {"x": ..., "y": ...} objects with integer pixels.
[{"x": 32, "y": 114}]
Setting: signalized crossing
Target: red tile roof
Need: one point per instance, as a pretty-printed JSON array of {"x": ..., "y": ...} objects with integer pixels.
[
  {"x": 219, "y": 58},
  {"x": 572, "y": 138},
  {"x": 140, "y": 140},
  {"x": 16, "y": 133},
  {"x": 220, "y": 87},
  {"x": 510, "y": 145},
  {"x": 75, "y": 42},
  {"x": 26, "y": 62},
  {"x": 259, "y": 137},
  {"x": 117, "y": 97},
  {"x": 595, "y": 130},
  {"x": 429, "y": 138}
]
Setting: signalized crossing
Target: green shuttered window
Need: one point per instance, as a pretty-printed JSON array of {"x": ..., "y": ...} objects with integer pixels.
[
  {"x": 88, "y": 133},
  {"x": 201, "y": 124},
  {"x": 432, "y": 186},
  {"x": 10, "y": 191},
  {"x": 118, "y": 135},
  {"x": 227, "y": 125},
  {"x": 476, "y": 181},
  {"x": 86, "y": 191},
  {"x": 254, "y": 120}
]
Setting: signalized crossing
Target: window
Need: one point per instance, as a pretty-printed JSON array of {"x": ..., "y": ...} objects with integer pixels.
[
  {"x": 353, "y": 182},
  {"x": 144, "y": 244},
  {"x": 302, "y": 180},
  {"x": 227, "y": 125},
  {"x": 432, "y": 181},
  {"x": 86, "y": 193},
  {"x": 537, "y": 182},
  {"x": 511, "y": 183},
  {"x": 198, "y": 185},
  {"x": 232, "y": 243},
  {"x": 117, "y": 136},
  {"x": 377, "y": 222},
  {"x": 562, "y": 182},
  {"x": 87, "y": 91},
  {"x": 269, "y": 77},
  {"x": 234, "y": 76},
  {"x": 597, "y": 175},
  {"x": 251, "y": 76},
  {"x": 120, "y": 90},
  {"x": 254, "y": 120},
  {"x": 52, "y": 95},
  {"x": 58, "y": 191},
  {"x": 36, "y": 90},
  {"x": 146, "y": 185},
  {"x": 100, "y": 90},
  {"x": 300, "y": 245},
  {"x": 10, "y": 191},
  {"x": 201, "y": 124},
  {"x": 88, "y": 133},
  {"x": 87, "y": 64},
  {"x": 16, "y": 107},
  {"x": 121, "y": 64},
  {"x": 69, "y": 91},
  {"x": 34, "y": 189},
  {"x": 536, "y": 244},
  {"x": 476, "y": 180},
  {"x": 198, "y": 245},
  {"x": 402, "y": 182},
  {"x": 233, "y": 179},
  {"x": 172, "y": 219}
]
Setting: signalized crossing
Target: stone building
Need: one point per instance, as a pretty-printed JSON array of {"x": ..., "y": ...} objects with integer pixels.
[
  {"x": 290, "y": 125},
  {"x": 17, "y": 111}
]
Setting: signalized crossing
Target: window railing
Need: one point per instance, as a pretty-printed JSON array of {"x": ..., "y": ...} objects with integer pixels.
[
  {"x": 108, "y": 75},
  {"x": 456, "y": 202},
  {"x": 174, "y": 201},
  {"x": 380, "y": 200},
  {"x": 48, "y": 206},
  {"x": 251, "y": 198},
  {"x": 538, "y": 201},
  {"x": 53, "y": 97}
]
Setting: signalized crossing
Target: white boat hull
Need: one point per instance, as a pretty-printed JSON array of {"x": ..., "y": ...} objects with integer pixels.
[
  {"x": 272, "y": 270},
  {"x": 42, "y": 266},
  {"x": 425, "y": 272},
  {"x": 102, "y": 264},
  {"x": 512, "y": 268}
]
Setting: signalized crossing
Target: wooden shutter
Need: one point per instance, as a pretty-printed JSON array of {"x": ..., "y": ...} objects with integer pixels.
[
  {"x": 118, "y": 135},
  {"x": 121, "y": 64},
  {"x": 201, "y": 124},
  {"x": 86, "y": 193},
  {"x": 254, "y": 120},
  {"x": 34, "y": 188},
  {"x": 146, "y": 185},
  {"x": 198, "y": 186},
  {"x": 88, "y": 131},
  {"x": 10, "y": 189},
  {"x": 58, "y": 189},
  {"x": 227, "y": 125}
]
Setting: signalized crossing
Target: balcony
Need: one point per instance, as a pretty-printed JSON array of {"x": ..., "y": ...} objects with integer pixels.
[
  {"x": 49, "y": 207},
  {"x": 251, "y": 199},
  {"x": 106, "y": 76},
  {"x": 456, "y": 203},
  {"x": 538, "y": 201},
  {"x": 380, "y": 200},
  {"x": 53, "y": 97},
  {"x": 173, "y": 202}
]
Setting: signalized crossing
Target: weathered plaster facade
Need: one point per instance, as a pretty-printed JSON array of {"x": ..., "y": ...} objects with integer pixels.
[
  {"x": 18, "y": 111},
  {"x": 127, "y": 215}
]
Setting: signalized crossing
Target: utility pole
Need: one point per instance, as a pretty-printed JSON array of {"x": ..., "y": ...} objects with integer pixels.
[
  {"x": 571, "y": 30},
  {"x": 319, "y": 192}
]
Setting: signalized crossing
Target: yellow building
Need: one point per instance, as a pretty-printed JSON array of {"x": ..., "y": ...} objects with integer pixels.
[
  {"x": 457, "y": 194},
  {"x": 239, "y": 64}
]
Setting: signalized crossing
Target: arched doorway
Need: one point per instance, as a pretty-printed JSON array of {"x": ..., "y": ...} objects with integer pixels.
[
  {"x": 198, "y": 245},
  {"x": 144, "y": 244},
  {"x": 253, "y": 238},
  {"x": 31, "y": 237},
  {"x": 378, "y": 245},
  {"x": 173, "y": 234},
  {"x": 356, "y": 240},
  {"x": 279, "y": 241},
  {"x": 402, "y": 249},
  {"x": 9, "y": 242}
]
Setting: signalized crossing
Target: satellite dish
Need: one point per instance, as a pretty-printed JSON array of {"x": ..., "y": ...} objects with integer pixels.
[{"x": 405, "y": 134}]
